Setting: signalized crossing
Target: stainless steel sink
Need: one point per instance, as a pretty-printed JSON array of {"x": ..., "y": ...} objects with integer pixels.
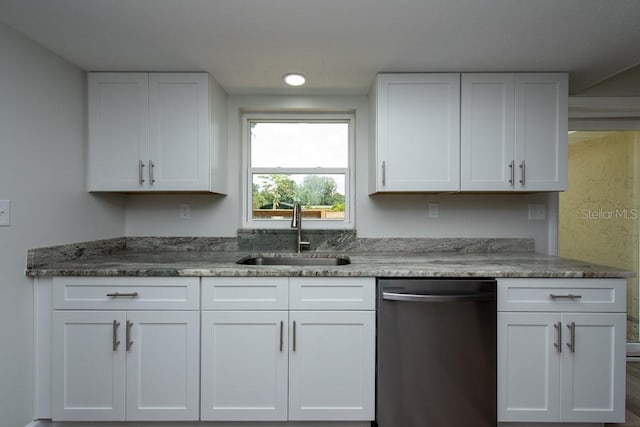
[{"x": 297, "y": 260}]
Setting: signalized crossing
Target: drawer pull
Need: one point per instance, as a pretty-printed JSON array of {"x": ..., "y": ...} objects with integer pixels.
[
  {"x": 128, "y": 337},
  {"x": 152, "y": 180},
  {"x": 116, "y": 342},
  {"x": 140, "y": 173},
  {"x": 568, "y": 296},
  {"x": 572, "y": 343},
  {"x": 118, "y": 294},
  {"x": 512, "y": 172},
  {"x": 294, "y": 335},
  {"x": 558, "y": 343},
  {"x": 384, "y": 173}
]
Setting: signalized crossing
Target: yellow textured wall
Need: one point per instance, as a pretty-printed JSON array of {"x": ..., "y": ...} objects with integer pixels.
[{"x": 599, "y": 212}]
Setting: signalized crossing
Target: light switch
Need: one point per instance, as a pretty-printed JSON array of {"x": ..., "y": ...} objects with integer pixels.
[{"x": 5, "y": 213}]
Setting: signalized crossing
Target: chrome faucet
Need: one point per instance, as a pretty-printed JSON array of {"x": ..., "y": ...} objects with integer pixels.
[{"x": 296, "y": 222}]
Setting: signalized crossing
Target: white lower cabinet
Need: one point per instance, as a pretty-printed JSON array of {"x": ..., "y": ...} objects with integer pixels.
[
  {"x": 562, "y": 362},
  {"x": 117, "y": 365},
  {"x": 331, "y": 365},
  {"x": 313, "y": 363},
  {"x": 89, "y": 370},
  {"x": 244, "y": 365}
]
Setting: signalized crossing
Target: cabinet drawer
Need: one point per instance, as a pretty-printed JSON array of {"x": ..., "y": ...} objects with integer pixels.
[
  {"x": 126, "y": 293},
  {"x": 606, "y": 295},
  {"x": 332, "y": 293},
  {"x": 250, "y": 293}
]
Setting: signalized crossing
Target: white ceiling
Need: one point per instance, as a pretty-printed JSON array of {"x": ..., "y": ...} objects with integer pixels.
[{"x": 247, "y": 45}]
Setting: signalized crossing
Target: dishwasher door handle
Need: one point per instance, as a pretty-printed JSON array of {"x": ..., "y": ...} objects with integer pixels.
[{"x": 394, "y": 296}]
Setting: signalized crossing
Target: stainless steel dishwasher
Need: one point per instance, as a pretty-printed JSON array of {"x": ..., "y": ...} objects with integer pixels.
[{"x": 436, "y": 353}]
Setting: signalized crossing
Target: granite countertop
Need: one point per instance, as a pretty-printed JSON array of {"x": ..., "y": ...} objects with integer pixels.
[{"x": 363, "y": 264}]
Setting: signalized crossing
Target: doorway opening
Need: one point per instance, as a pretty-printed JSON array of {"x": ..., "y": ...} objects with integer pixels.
[{"x": 599, "y": 214}]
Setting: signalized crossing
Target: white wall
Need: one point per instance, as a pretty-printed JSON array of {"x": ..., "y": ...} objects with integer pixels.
[
  {"x": 42, "y": 172},
  {"x": 501, "y": 215}
]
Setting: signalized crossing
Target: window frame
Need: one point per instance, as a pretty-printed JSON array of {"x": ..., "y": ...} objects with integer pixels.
[{"x": 248, "y": 171}]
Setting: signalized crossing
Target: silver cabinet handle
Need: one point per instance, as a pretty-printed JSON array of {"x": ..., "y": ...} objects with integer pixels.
[
  {"x": 558, "y": 343},
  {"x": 567, "y": 296},
  {"x": 523, "y": 172},
  {"x": 140, "y": 173},
  {"x": 116, "y": 342},
  {"x": 512, "y": 172},
  {"x": 151, "y": 167},
  {"x": 294, "y": 335},
  {"x": 384, "y": 173},
  {"x": 128, "y": 337},
  {"x": 118, "y": 294},
  {"x": 281, "y": 335},
  {"x": 393, "y": 296},
  {"x": 572, "y": 343}
]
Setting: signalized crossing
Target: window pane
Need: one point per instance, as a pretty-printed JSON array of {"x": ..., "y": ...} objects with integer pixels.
[
  {"x": 321, "y": 195},
  {"x": 299, "y": 145}
]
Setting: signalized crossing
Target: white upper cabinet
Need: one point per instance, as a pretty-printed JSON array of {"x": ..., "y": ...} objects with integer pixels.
[
  {"x": 513, "y": 132},
  {"x": 179, "y": 131},
  {"x": 118, "y": 131},
  {"x": 156, "y": 132},
  {"x": 487, "y": 149},
  {"x": 416, "y": 143},
  {"x": 541, "y": 131},
  {"x": 469, "y": 132}
]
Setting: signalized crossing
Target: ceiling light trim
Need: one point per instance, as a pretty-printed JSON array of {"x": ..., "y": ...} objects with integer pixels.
[{"x": 294, "y": 79}]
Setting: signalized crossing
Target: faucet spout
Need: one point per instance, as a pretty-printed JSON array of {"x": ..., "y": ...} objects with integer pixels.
[{"x": 296, "y": 222}]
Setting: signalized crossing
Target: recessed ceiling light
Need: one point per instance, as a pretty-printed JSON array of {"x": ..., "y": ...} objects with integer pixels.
[{"x": 294, "y": 79}]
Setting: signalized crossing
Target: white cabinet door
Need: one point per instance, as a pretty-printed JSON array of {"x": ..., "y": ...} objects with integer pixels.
[
  {"x": 332, "y": 365},
  {"x": 593, "y": 372},
  {"x": 581, "y": 381},
  {"x": 514, "y": 132},
  {"x": 118, "y": 131},
  {"x": 487, "y": 132},
  {"x": 528, "y": 367},
  {"x": 156, "y": 132},
  {"x": 88, "y": 366},
  {"x": 417, "y": 132},
  {"x": 163, "y": 366},
  {"x": 244, "y": 366},
  {"x": 179, "y": 126},
  {"x": 541, "y": 131}
]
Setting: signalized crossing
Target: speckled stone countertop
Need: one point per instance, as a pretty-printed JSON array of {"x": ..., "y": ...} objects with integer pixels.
[{"x": 369, "y": 264}]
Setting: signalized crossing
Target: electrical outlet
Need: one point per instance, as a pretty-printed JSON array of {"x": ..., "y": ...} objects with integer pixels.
[
  {"x": 185, "y": 211},
  {"x": 537, "y": 211},
  {"x": 434, "y": 210},
  {"x": 5, "y": 213}
]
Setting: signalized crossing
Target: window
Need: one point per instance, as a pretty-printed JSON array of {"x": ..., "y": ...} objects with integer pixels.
[{"x": 304, "y": 159}]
